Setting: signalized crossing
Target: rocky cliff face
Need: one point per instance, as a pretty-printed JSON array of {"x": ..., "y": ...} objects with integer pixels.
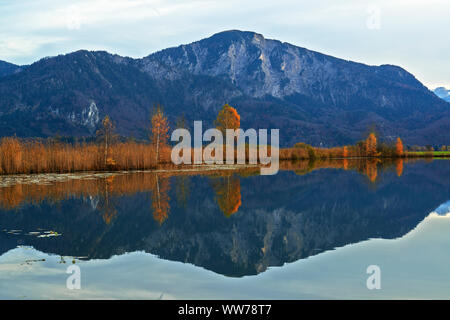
[
  {"x": 312, "y": 97},
  {"x": 261, "y": 67}
]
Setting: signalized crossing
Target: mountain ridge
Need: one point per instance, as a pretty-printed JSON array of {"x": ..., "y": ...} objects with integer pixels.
[
  {"x": 7, "y": 68},
  {"x": 313, "y": 97}
]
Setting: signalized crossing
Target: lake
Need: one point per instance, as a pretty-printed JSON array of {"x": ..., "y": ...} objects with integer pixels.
[{"x": 310, "y": 231}]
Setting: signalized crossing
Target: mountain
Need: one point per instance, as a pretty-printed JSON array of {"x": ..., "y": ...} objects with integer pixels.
[
  {"x": 442, "y": 93},
  {"x": 310, "y": 96},
  {"x": 7, "y": 68}
]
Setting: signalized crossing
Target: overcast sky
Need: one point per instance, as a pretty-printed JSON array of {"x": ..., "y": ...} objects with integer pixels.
[{"x": 411, "y": 33}]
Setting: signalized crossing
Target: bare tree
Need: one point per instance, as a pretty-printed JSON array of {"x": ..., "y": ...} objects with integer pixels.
[
  {"x": 159, "y": 130},
  {"x": 107, "y": 135}
]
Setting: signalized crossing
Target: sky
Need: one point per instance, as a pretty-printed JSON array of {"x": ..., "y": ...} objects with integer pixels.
[{"x": 410, "y": 33}]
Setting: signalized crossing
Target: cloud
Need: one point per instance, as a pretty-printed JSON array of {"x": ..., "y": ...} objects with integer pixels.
[
  {"x": 30, "y": 30},
  {"x": 16, "y": 46}
]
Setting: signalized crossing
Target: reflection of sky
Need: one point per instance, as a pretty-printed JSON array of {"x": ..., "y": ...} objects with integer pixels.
[{"x": 415, "y": 266}]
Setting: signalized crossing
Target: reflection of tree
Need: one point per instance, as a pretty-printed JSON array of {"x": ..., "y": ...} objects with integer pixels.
[
  {"x": 107, "y": 190},
  {"x": 183, "y": 186},
  {"x": 345, "y": 164},
  {"x": 228, "y": 194},
  {"x": 371, "y": 170},
  {"x": 399, "y": 167},
  {"x": 160, "y": 198},
  {"x": 12, "y": 197},
  {"x": 107, "y": 209}
]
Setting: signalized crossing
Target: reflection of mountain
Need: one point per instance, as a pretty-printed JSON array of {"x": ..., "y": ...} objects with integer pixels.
[{"x": 282, "y": 218}]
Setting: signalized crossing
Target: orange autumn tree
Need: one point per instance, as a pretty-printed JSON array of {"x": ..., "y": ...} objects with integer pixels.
[
  {"x": 344, "y": 152},
  {"x": 371, "y": 169},
  {"x": 345, "y": 155},
  {"x": 228, "y": 118},
  {"x": 159, "y": 130},
  {"x": 399, "y": 147},
  {"x": 371, "y": 145}
]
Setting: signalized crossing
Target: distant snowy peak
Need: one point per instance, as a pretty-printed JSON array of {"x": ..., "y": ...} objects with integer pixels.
[{"x": 442, "y": 93}]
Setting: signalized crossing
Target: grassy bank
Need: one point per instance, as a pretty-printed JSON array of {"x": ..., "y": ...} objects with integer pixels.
[{"x": 19, "y": 156}]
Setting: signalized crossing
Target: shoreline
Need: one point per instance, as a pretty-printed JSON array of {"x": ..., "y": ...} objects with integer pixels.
[{"x": 51, "y": 177}]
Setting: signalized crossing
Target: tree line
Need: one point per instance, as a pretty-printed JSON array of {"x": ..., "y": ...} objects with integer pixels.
[
  {"x": 108, "y": 153},
  {"x": 368, "y": 148},
  {"x": 25, "y": 156}
]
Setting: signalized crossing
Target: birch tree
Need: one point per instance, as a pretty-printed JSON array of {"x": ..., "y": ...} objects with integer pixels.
[
  {"x": 106, "y": 135},
  {"x": 159, "y": 131}
]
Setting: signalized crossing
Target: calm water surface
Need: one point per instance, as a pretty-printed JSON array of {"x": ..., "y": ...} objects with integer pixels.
[{"x": 310, "y": 231}]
